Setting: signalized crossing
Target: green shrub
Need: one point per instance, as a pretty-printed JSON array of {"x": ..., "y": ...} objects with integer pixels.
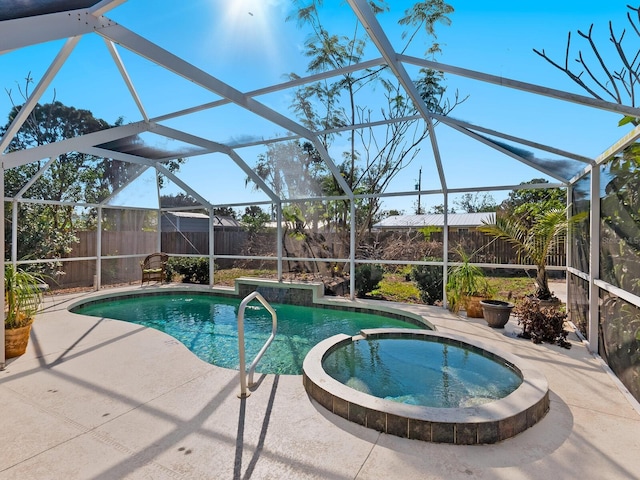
[
  {"x": 367, "y": 278},
  {"x": 428, "y": 279},
  {"x": 192, "y": 270}
]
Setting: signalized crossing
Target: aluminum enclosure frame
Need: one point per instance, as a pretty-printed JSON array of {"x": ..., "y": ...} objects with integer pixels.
[{"x": 73, "y": 25}]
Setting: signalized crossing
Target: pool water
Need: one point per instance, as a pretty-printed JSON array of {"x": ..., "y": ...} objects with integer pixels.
[
  {"x": 421, "y": 372},
  {"x": 207, "y": 325}
]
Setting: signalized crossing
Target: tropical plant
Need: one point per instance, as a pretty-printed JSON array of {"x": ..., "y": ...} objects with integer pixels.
[
  {"x": 22, "y": 296},
  {"x": 465, "y": 281},
  {"x": 533, "y": 239}
]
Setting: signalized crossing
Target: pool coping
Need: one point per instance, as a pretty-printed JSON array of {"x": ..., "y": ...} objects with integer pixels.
[{"x": 480, "y": 424}]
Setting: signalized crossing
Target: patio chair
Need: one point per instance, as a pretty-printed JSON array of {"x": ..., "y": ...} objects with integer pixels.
[{"x": 154, "y": 267}]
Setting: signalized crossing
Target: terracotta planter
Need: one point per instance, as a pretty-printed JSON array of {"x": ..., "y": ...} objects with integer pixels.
[
  {"x": 16, "y": 340},
  {"x": 473, "y": 307},
  {"x": 496, "y": 312}
]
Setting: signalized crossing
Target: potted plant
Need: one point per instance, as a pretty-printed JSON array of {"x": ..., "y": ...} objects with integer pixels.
[
  {"x": 466, "y": 287},
  {"x": 22, "y": 296}
]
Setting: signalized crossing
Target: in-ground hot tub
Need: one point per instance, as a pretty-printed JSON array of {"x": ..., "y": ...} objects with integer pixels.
[{"x": 486, "y": 410}]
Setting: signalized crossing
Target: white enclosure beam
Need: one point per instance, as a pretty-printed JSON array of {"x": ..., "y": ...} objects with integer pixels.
[
  {"x": 14, "y": 232},
  {"x": 212, "y": 246},
  {"x": 114, "y": 155},
  {"x": 594, "y": 260},
  {"x": 34, "y": 178},
  {"x": 98, "y": 282},
  {"x": 524, "y": 86},
  {"x": 563, "y": 153},
  {"x": 2, "y": 265},
  {"x": 445, "y": 252},
  {"x": 130, "y": 180},
  {"x": 300, "y": 81},
  {"x": 40, "y": 88},
  {"x": 496, "y": 188},
  {"x": 23, "y": 32},
  {"x": 76, "y": 144},
  {"x": 104, "y": 6},
  {"x": 217, "y": 147},
  {"x": 173, "y": 63},
  {"x": 167, "y": 173},
  {"x": 159, "y": 212},
  {"x": 568, "y": 249},
  {"x": 364, "y": 13},
  {"x": 127, "y": 79},
  {"x": 352, "y": 249},
  {"x": 508, "y": 152},
  {"x": 127, "y": 157},
  {"x": 628, "y": 139},
  {"x": 279, "y": 238},
  {"x": 440, "y": 118}
]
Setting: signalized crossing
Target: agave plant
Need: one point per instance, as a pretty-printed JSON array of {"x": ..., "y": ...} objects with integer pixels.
[
  {"x": 534, "y": 239},
  {"x": 22, "y": 296}
]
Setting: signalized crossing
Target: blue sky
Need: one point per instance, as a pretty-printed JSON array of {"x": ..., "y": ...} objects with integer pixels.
[{"x": 248, "y": 45}]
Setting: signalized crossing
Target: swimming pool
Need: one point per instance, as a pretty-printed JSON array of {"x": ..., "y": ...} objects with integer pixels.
[{"x": 207, "y": 325}]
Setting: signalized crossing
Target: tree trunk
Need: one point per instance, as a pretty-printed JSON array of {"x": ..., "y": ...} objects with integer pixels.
[{"x": 542, "y": 284}]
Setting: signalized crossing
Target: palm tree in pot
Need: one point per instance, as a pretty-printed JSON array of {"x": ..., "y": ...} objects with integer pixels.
[
  {"x": 23, "y": 293},
  {"x": 466, "y": 286}
]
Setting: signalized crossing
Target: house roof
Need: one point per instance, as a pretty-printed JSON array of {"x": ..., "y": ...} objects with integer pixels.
[
  {"x": 436, "y": 220},
  {"x": 187, "y": 214},
  {"x": 218, "y": 221}
]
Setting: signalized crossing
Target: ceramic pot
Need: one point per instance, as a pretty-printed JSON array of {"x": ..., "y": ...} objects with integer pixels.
[{"x": 496, "y": 312}]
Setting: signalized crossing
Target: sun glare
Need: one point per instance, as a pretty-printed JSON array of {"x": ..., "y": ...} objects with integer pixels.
[
  {"x": 250, "y": 25},
  {"x": 238, "y": 10}
]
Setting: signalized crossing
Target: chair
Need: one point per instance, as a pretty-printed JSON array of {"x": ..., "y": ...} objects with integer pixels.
[{"x": 154, "y": 267}]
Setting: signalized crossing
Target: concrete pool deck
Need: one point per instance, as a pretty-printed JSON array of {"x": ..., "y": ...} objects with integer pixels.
[{"x": 102, "y": 399}]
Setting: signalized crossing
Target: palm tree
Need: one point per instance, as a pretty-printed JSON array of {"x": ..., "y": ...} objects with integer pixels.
[{"x": 533, "y": 239}]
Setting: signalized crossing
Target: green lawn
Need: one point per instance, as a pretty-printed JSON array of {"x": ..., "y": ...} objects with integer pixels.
[{"x": 395, "y": 286}]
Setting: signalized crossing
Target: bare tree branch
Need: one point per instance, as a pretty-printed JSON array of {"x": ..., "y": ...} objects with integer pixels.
[
  {"x": 615, "y": 76},
  {"x": 575, "y": 77},
  {"x": 603, "y": 65}
]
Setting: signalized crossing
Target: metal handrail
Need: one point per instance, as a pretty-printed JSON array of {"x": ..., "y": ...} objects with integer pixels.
[{"x": 241, "y": 347}]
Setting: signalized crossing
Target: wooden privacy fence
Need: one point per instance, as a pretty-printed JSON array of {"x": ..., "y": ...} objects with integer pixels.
[
  {"x": 483, "y": 249},
  {"x": 487, "y": 249},
  {"x": 126, "y": 270},
  {"x": 226, "y": 242}
]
